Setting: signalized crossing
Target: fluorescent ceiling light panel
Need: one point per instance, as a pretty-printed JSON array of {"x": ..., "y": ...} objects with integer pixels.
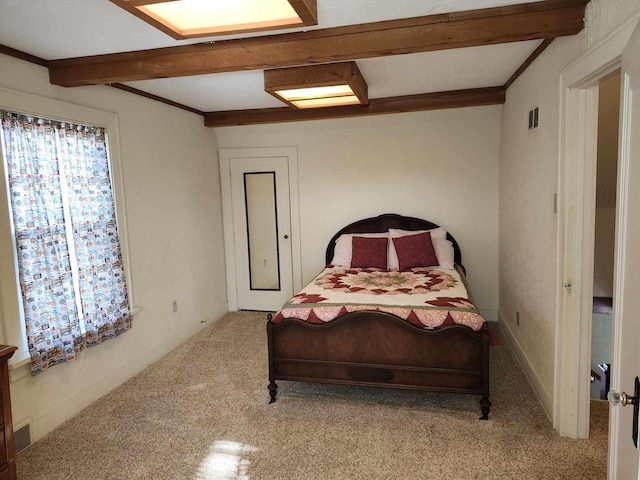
[
  {"x": 314, "y": 86},
  {"x": 197, "y": 18},
  {"x": 327, "y": 102},
  {"x": 191, "y": 17},
  {"x": 314, "y": 92}
]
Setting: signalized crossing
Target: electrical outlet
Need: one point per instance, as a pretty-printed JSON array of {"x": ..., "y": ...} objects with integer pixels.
[
  {"x": 518, "y": 318},
  {"x": 174, "y": 305}
]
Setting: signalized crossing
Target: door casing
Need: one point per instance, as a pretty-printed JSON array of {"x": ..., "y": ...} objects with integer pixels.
[{"x": 576, "y": 189}]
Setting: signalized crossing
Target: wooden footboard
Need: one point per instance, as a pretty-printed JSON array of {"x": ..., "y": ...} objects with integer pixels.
[{"x": 380, "y": 349}]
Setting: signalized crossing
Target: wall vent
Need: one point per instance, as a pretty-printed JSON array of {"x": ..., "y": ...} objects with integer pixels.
[
  {"x": 22, "y": 437},
  {"x": 533, "y": 118}
]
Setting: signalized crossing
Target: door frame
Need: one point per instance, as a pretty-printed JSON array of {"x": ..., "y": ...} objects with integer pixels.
[
  {"x": 225, "y": 156},
  {"x": 576, "y": 188}
]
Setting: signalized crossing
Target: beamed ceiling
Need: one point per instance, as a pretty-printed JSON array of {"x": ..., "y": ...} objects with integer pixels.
[{"x": 413, "y": 54}]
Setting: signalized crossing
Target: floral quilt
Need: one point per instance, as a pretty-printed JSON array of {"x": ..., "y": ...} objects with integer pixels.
[{"x": 425, "y": 297}]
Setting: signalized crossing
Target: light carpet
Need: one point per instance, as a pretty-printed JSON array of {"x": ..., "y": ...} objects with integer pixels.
[{"x": 202, "y": 412}]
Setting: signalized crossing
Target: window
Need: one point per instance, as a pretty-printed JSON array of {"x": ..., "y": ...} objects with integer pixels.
[{"x": 71, "y": 274}]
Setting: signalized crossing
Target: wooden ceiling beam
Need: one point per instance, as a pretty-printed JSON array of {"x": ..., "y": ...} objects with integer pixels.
[
  {"x": 530, "y": 21},
  {"x": 409, "y": 103}
]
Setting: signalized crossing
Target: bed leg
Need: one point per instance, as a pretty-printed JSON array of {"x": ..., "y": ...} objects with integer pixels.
[
  {"x": 485, "y": 406},
  {"x": 272, "y": 391}
]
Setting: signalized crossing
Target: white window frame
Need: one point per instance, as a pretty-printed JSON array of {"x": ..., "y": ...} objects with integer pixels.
[{"x": 11, "y": 309}]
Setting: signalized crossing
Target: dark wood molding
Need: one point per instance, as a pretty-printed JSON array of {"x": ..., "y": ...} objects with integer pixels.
[
  {"x": 377, "y": 106},
  {"x": 545, "y": 43},
  {"x": 135, "y": 91},
  {"x": 538, "y": 20},
  {"x": 27, "y": 57}
]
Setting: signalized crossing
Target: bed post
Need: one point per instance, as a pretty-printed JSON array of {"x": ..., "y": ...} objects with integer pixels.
[
  {"x": 272, "y": 384},
  {"x": 485, "y": 403}
]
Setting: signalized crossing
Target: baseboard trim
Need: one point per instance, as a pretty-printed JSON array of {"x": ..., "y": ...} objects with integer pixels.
[
  {"x": 544, "y": 396},
  {"x": 78, "y": 400}
]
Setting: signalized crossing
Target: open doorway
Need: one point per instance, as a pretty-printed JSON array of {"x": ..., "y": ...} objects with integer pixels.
[
  {"x": 576, "y": 226},
  {"x": 603, "y": 250},
  {"x": 604, "y": 233}
]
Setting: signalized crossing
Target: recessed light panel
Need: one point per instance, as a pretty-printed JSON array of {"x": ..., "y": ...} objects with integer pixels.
[
  {"x": 327, "y": 102},
  {"x": 197, "y": 18},
  {"x": 314, "y": 86},
  {"x": 315, "y": 92}
]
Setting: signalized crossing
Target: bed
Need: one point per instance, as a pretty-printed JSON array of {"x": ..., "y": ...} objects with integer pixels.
[{"x": 382, "y": 346}]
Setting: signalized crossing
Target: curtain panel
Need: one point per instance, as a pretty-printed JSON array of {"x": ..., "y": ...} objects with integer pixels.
[{"x": 70, "y": 266}]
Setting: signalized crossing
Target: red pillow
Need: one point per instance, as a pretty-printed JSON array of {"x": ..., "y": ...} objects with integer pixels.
[
  {"x": 369, "y": 252},
  {"x": 415, "y": 251}
]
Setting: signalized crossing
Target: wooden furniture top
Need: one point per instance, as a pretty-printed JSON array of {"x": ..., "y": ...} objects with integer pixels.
[{"x": 6, "y": 351}]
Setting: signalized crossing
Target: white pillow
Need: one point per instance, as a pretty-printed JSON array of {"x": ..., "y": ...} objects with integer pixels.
[
  {"x": 442, "y": 246},
  {"x": 343, "y": 250}
]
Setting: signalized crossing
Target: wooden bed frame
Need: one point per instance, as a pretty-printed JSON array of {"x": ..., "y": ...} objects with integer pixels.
[{"x": 379, "y": 349}]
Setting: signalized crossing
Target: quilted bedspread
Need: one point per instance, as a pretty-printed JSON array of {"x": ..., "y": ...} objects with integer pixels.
[{"x": 425, "y": 297}]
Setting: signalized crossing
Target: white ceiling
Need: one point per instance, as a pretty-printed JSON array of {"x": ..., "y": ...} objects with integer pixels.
[{"x": 53, "y": 29}]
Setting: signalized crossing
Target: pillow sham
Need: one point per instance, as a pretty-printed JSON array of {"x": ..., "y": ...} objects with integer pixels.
[
  {"x": 369, "y": 252},
  {"x": 443, "y": 247},
  {"x": 415, "y": 251},
  {"x": 343, "y": 248}
]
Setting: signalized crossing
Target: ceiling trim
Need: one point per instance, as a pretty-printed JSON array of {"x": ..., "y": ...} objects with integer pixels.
[
  {"x": 408, "y": 103},
  {"x": 531, "y": 21},
  {"x": 127, "y": 88},
  {"x": 541, "y": 48},
  {"x": 27, "y": 57}
]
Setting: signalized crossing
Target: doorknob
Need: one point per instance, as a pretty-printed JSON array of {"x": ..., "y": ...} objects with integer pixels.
[
  {"x": 616, "y": 398},
  {"x": 626, "y": 399},
  {"x": 623, "y": 399},
  {"x": 286, "y": 236}
]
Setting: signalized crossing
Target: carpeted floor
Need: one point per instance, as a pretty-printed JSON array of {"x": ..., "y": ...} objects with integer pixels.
[{"x": 202, "y": 413}]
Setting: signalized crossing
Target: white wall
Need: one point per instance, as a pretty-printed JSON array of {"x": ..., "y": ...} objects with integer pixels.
[
  {"x": 440, "y": 165},
  {"x": 175, "y": 240},
  {"x": 604, "y": 246},
  {"x": 528, "y": 180}
]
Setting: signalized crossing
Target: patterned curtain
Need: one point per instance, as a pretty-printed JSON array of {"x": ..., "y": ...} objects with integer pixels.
[
  {"x": 103, "y": 289},
  {"x": 66, "y": 237}
]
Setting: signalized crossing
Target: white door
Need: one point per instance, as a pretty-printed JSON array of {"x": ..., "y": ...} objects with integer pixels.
[
  {"x": 624, "y": 457},
  {"x": 262, "y": 232}
]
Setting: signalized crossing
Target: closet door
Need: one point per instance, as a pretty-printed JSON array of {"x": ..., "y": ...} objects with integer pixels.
[{"x": 262, "y": 232}]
